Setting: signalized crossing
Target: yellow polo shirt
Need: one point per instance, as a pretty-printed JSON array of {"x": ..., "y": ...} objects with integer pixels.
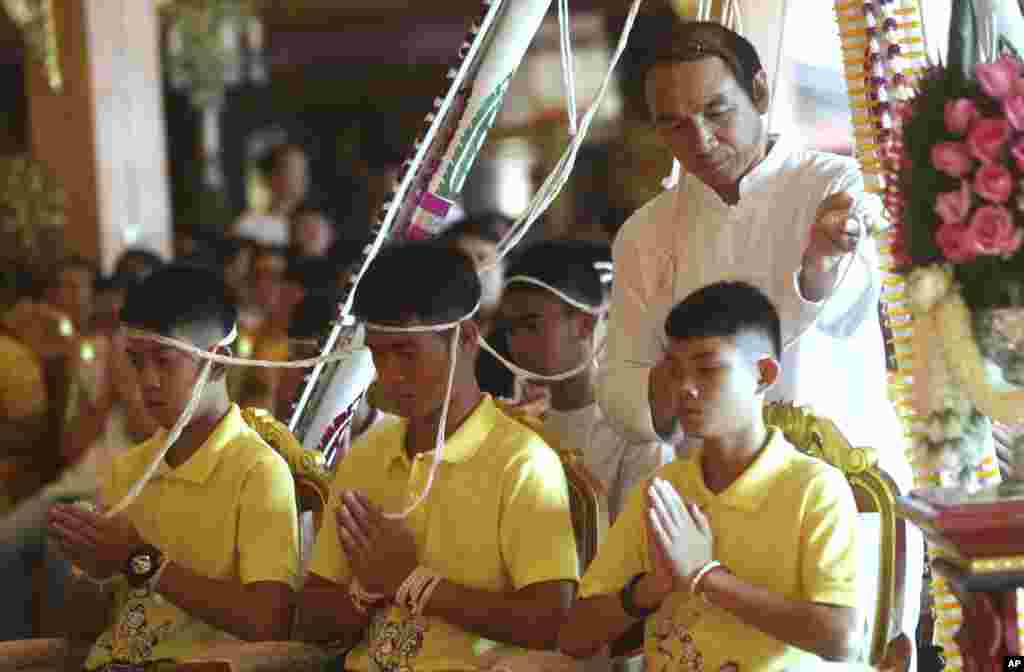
[
  {"x": 227, "y": 513},
  {"x": 788, "y": 523},
  {"x": 497, "y": 518}
]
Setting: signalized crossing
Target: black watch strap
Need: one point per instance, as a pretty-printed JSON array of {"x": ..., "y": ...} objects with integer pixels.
[
  {"x": 142, "y": 565},
  {"x": 628, "y": 605}
]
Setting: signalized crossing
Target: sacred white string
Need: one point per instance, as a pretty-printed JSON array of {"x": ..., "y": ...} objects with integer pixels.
[
  {"x": 558, "y": 177},
  {"x": 453, "y": 351},
  {"x": 235, "y": 361},
  {"x": 179, "y": 425},
  {"x": 600, "y": 311},
  {"x": 568, "y": 64}
]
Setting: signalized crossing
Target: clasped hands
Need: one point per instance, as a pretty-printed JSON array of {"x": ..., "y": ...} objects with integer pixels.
[
  {"x": 680, "y": 540},
  {"x": 381, "y": 551},
  {"x": 97, "y": 545}
]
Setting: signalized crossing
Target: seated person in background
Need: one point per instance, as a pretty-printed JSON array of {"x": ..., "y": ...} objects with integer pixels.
[
  {"x": 781, "y": 524},
  {"x": 311, "y": 322},
  {"x": 234, "y": 259},
  {"x": 478, "y": 237},
  {"x": 285, "y": 169},
  {"x": 493, "y": 538},
  {"x": 312, "y": 233},
  {"x": 551, "y": 331},
  {"x": 216, "y": 528},
  {"x": 137, "y": 263}
]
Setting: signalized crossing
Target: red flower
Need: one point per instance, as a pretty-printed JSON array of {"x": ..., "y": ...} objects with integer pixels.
[
  {"x": 987, "y": 138},
  {"x": 993, "y": 182},
  {"x": 992, "y": 232}
]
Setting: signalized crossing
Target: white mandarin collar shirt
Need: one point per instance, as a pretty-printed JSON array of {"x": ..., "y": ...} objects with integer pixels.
[{"x": 687, "y": 237}]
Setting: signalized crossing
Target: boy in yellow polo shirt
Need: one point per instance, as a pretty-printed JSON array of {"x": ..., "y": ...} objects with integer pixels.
[
  {"x": 209, "y": 548},
  {"x": 740, "y": 557},
  {"x": 488, "y": 559}
]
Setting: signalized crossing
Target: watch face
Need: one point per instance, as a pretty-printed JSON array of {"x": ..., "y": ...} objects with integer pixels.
[{"x": 142, "y": 564}]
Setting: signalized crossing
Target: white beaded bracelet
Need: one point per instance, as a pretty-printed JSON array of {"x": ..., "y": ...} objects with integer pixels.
[{"x": 701, "y": 573}]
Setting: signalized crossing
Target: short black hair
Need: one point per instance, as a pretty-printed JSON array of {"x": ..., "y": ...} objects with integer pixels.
[
  {"x": 314, "y": 315},
  {"x": 315, "y": 274},
  {"x": 676, "y": 40},
  {"x": 345, "y": 252},
  {"x": 726, "y": 310},
  {"x": 417, "y": 281},
  {"x": 489, "y": 226},
  {"x": 567, "y": 265},
  {"x": 178, "y": 296}
]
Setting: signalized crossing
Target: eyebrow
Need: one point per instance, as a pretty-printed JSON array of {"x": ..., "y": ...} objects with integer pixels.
[{"x": 717, "y": 99}]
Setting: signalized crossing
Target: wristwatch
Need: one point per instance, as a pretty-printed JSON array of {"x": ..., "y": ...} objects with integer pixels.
[{"x": 142, "y": 564}]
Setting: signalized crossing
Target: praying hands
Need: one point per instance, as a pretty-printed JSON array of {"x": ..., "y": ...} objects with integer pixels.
[
  {"x": 681, "y": 540},
  {"x": 98, "y": 545},
  {"x": 381, "y": 552}
]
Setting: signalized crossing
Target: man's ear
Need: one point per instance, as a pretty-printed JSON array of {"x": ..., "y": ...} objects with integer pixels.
[
  {"x": 768, "y": 373},
  {"x": 761, "y": 93},
  {"x": 585, "y": 323}
]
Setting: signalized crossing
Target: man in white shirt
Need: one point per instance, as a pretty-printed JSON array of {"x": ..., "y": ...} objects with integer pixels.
[
  {"x": 551, "y": 312},
  {"x": 286, "y": 170},
  {"x": 758, "y": 209}
]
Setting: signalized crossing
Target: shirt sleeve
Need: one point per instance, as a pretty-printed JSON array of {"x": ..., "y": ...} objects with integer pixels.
[
  {"x": 639, "y": 460},
  {"x": 536, "y": 506},
  {"x": 623, "y": 554},
  {"x": 859, "y": 281},
  {"x": 268, "y": 527},
  {"x": 633, "y": 347},
  {"x": 828, "y": 538},
  {"x": 329, "y": 560}
]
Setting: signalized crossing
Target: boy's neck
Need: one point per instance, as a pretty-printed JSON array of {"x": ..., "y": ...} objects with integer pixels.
[
  {"x": 574, "y": 393},
  {"x": 197, "y": 432},
  {"x": 421, "y": 433},
  {"x": 725, "y": 458}
]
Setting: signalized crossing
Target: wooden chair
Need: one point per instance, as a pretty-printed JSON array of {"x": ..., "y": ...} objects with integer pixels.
[
  {"x": 312, "y": 491},
  {"x": 875, "y": 492}
]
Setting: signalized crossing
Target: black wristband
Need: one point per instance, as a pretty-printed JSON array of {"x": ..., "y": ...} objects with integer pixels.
[
  {"x": 142, "y": 564},
  {"x": 628, "y": 605}
]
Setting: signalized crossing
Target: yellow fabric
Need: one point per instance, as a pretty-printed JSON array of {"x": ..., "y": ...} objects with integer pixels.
[
  {"x": 22, "y": 388},
  {"x": 788, "y": 523},
  {"x": 227, "y": 513},
  {"x": 497, "y": 519}
]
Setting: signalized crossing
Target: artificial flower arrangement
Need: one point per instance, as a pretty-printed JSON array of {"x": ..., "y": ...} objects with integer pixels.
[{"x": 956, "y": 203}]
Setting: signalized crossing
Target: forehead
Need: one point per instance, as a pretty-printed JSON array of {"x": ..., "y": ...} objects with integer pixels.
[
  {"x": 701, "y": 347},
  {"x": 398, "y": 340},
  {"x": 689, "y": 85},
  {"x": 519, "y": 301}
]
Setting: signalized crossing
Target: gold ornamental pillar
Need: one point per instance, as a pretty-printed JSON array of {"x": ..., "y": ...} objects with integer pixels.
[{"x": 96, "y": 118}]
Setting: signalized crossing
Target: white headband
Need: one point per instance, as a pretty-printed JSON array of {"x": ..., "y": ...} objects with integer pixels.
[{"x": 579, "y": 305}]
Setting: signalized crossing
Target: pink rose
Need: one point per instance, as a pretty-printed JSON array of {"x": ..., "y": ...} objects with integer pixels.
[
  {"x": 954, "y": 242},
  {"x": 992, "y": 231},
  {"x": 1013, "y": 108},
  {"x": 952, "y": 206},
  {"x": 987, "y": 138},
  {"x": 993, "y": 182},
  {"x": 952, "y": 158},
  {"x": 998, "y": 79},
  {"x": 959, "y": 115},
  {"x": 1017, "y": 152}
]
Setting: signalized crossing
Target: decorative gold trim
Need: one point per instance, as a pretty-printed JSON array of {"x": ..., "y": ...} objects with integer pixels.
[
  {"x": 819, "y": 437},
  {"x": 991, "y": 565}
]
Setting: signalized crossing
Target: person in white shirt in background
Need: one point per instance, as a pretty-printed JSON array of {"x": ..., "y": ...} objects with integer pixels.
[
  {"x": 286, "y": 170},
  {"x": 551, "y": 311},
  {"x": 755, "y": 208}
]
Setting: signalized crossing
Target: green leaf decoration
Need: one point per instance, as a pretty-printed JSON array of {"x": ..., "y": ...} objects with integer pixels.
[{"x": 472, "y": 141}]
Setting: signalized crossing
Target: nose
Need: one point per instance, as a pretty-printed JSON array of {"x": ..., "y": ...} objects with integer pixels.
[{"x": 148, "y": 378}]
